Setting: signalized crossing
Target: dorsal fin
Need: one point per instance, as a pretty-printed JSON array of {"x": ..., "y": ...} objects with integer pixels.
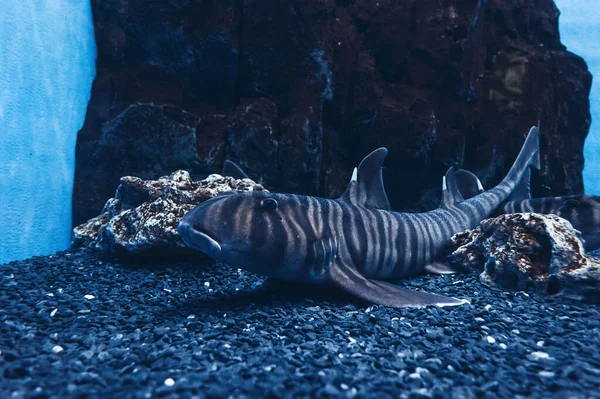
[
  {"x": 522, "y": 192},
  {"x": 450, "y": 193},
  {"x": 366, "y": 187},
  {"x": 467, "y": 183},
  {"x": 232, "y": 170},
  {"x": 459, "y": 185}
]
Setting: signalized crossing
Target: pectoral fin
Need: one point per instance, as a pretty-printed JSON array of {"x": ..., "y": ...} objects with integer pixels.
[{"x": 384, "y": 293}]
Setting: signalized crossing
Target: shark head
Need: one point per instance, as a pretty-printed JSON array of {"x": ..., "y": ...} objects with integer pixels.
[{"x": 246, "y": 230}]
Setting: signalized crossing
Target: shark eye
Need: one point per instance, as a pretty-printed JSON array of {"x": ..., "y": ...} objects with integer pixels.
[{"x": 269, "y": 204}]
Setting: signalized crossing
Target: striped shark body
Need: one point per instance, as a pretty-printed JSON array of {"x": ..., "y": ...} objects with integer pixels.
[
  {"x": 582, "y": 211},
  {"x": 355, "y": 242}
]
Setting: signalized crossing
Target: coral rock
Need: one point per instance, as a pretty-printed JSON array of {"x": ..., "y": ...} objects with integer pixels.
[
  {"x": 530, "y": 251},
  {"x": 144, "y": 214}
]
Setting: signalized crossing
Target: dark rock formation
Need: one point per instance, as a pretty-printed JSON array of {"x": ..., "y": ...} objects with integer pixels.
[
  {"x": 297, "y": 92},
  {"x": 530, "y": 251},
  {"x": 143, "y": 215}
]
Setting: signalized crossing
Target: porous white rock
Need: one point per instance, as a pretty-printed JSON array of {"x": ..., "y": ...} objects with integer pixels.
[{"x": 144, "y": 214}]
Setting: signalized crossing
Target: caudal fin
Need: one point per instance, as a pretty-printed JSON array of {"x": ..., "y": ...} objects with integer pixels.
[
  {"x": 487, "y": 202},
  {"x": 528, "y": 157},
  {"x": 532, "y": 147},
  {"x": 522, "y": 191}
]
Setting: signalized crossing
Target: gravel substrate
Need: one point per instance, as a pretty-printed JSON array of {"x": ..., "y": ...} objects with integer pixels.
[{"x": 78, "y": 325}]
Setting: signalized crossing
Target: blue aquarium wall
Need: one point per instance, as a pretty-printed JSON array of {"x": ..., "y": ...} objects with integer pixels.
[
  {"x": 580, "y": 32},
  {"x": 47, "y": 61}
]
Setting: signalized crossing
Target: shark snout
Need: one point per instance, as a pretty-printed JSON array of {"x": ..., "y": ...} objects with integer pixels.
[{"x": 196, "y": 239}]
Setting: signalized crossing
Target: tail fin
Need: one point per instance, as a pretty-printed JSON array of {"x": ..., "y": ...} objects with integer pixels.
[
  {"x": 532, "y": 143},
  {"x": 487, "y": 202},
  {"x": 530, "y": 152},
  {"x": 522, "y": 191},
  {"x": 528, "y": 157}
]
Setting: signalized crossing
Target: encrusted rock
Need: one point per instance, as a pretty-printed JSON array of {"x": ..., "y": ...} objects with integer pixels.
[
  {"x": 530, "y": 251},
  {"x": 144, "y": 214}
]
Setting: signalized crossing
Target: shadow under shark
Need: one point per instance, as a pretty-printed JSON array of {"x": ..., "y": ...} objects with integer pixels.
[{"x": 355, "y": 242}]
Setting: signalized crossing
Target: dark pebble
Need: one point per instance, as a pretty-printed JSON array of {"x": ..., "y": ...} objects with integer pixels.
[
  {"x": 9, "y": 355},
  {"x": 264, "y": 341},
  {"x": 16, "y": 372}
]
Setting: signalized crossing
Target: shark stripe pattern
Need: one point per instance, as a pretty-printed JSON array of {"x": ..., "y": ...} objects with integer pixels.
[
  {"x": 586, "y": 206},
  {"x": 355, "y": 242}
]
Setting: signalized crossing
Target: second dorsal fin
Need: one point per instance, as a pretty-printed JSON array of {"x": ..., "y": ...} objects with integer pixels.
[
  {"x": 450, "y": 193},
  {"x": 459, "y": 185},
  {"x": 467, "y": 183},
  {"x": 366, "y": 187}
]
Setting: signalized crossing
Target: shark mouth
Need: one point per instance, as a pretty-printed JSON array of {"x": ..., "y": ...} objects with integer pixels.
[{"x": 197, "y": 239}]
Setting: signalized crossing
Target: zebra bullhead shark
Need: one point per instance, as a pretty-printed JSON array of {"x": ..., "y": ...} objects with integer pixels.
[{"x": 355, "y": 242}]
